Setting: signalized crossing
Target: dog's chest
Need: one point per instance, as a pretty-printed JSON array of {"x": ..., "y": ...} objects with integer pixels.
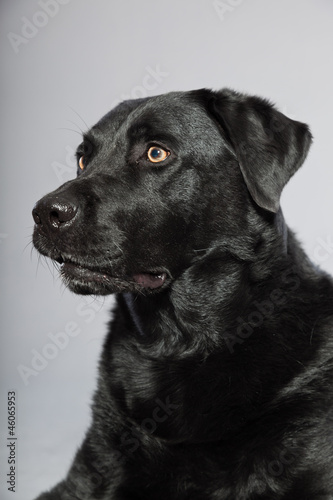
[{"x": 175, "y": 399}]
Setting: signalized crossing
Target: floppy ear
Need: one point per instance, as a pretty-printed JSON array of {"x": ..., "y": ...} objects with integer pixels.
[{"x": 269, "y": 146}]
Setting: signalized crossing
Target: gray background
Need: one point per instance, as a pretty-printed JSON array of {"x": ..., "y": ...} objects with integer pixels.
[{"x": 58, "y": 79}]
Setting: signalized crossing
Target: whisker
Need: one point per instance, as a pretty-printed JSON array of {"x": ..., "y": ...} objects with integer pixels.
[
  {"x": 38, "y": 263},
  {"x": 73, "y": 123},
  {"x": 48, "y": 266},
  {"x": 70, "y": 130},
  {"x": 27, "y": 245},
  {"x": 77, "y": 114},
  {"x": 118, "y": 247}
]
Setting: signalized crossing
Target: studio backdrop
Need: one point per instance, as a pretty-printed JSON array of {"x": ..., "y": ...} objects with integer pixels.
[{"x": 64, "y": 64}]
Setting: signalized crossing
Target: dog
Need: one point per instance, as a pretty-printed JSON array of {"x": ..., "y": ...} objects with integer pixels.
[{"x": 216, "y": 376}]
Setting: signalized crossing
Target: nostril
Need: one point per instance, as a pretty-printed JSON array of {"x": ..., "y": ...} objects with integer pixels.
[
  {"x": 36, "y": 217},
  {"x": 54, "y": 218},
  {"x": 62, "y": 212}
]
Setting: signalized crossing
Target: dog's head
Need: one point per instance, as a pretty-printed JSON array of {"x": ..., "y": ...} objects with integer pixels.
[{"x": 163, "y": 180}]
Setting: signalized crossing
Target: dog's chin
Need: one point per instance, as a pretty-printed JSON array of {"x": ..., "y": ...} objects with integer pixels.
[{"x": 84, "y": 281}]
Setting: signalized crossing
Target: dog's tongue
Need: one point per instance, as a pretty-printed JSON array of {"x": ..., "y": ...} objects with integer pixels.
[{"x": 148, "y": 280}]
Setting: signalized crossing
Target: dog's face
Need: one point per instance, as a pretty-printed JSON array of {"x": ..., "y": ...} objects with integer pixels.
[{"x": 161, "y": 181}]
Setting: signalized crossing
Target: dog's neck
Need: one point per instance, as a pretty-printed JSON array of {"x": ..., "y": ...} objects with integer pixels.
[
  {"x": 223, "y": 273},
  {"x": 282, "y": 229}
]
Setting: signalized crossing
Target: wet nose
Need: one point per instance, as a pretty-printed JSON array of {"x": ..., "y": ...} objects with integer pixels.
[{"x": 54, "y": 214}]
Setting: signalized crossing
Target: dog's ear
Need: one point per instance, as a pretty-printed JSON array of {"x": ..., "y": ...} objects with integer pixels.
[{"x": 269, "y": 146}]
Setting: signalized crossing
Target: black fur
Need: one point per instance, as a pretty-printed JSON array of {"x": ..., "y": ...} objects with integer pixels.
[{"x": 216, "y": 378}]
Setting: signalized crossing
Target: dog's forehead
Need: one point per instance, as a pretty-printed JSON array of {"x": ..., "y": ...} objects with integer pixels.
[{"x": 175, "y": 112}]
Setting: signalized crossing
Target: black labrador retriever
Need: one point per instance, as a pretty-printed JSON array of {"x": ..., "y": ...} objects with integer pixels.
[{"x": 216, "y": 378}]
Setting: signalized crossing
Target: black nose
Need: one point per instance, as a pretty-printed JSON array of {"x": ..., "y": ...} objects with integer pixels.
[{"x": 54, "y": 213}]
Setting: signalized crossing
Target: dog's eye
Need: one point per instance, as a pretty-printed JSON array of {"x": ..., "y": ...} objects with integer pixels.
[
  {"x": 156, "y": 154},
  {"x": 81, "y": 163}
]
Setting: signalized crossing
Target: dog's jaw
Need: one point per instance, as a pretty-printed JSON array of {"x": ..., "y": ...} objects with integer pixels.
[
  {"x": 93, "y": 281},
  {"x": 85, "y": 277}
]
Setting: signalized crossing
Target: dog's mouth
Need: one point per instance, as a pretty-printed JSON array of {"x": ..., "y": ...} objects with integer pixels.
[
  {"x": 93, "y": 278},
  {"x": 150, "y": 280},
  {"x": 82, "y": 279}
]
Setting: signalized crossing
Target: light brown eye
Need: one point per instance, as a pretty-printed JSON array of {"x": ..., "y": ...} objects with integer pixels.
[
  {"x": 81, "y": 163},
  {"x": 156, "y": 154}
]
